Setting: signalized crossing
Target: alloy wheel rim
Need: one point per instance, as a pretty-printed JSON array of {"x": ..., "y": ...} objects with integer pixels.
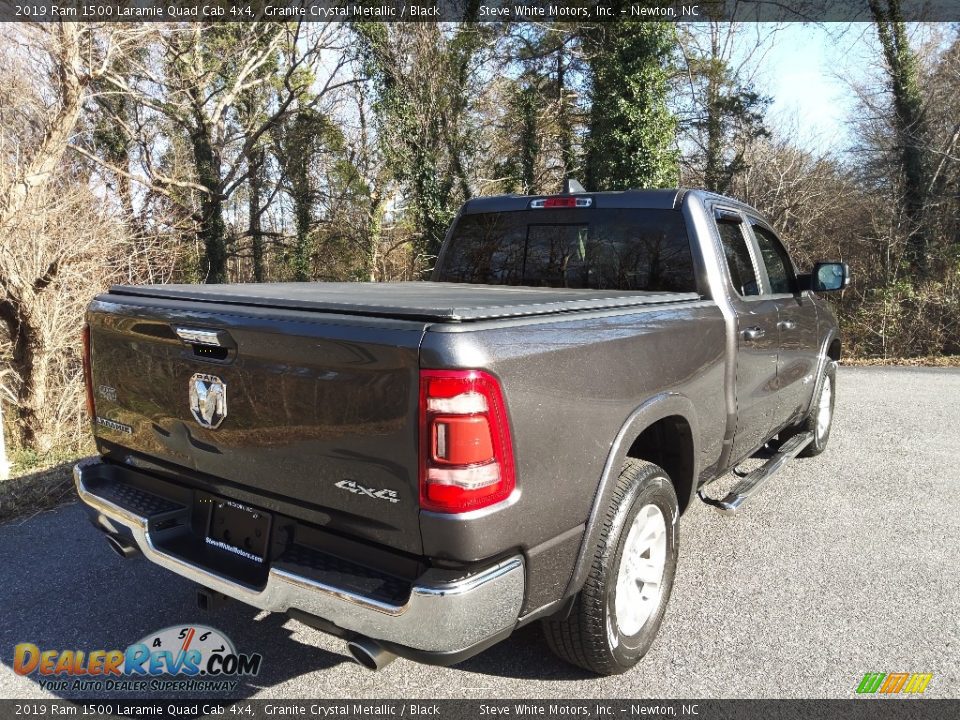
[
  {"x": 823, "y": 412},
  {"x": 640, "y": 577}
]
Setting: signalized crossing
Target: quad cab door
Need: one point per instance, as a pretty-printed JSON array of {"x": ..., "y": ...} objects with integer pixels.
[
  {"x": 758, "y": 335},
  {"x": 797, "y": 324}
]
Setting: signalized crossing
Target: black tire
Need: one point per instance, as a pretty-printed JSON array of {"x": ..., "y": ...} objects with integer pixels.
[
  {"x": 590, "y": 635},
  {"x": 811, "y": 422}
]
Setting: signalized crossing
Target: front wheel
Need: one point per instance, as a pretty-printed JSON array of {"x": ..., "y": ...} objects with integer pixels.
[
  {"x": 616, "y": 616},
  {"x": 819, "y": 422}
]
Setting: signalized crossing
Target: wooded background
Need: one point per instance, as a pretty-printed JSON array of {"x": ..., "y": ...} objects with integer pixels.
[{"x": 272, "y": 152}]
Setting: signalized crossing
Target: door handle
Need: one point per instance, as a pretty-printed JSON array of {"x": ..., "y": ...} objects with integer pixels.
[
  {"x": 753, "y": 333},
  {"x": 787, "y": 325}
]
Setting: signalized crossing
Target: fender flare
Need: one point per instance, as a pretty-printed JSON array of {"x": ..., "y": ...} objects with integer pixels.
[
  {"x": 650, "y": 411},
  {"x": 822, "y": 365}
]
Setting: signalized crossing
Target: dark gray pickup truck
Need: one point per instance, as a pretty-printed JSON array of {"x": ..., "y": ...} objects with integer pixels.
[{"x": 422, "y": 468}]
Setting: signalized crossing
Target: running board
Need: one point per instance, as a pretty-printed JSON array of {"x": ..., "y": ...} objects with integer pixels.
[{"x": 750, "y": 484}]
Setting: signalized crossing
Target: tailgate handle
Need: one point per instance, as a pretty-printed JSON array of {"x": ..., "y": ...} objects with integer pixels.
[
  {"x": 207, "y": 344},
  {"x": 196, "y": 336}
]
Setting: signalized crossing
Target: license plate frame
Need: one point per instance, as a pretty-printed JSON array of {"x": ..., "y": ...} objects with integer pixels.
[{"x": 239, "y": 529}]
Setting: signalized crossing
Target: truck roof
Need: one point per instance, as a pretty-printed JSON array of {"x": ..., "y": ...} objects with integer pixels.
[
  {"x": 667, "y": 199},
  {"x": 654, "y": 199}
]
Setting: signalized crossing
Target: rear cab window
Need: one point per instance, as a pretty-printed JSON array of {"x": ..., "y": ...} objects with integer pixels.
[{"x": 590, "y": 248}]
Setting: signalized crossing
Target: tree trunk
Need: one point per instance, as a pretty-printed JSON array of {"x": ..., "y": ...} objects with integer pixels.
[
  {"x": 909, "y": 121},
  {"x": 429, "y": 203},
  {"x": 713, "y": 175},
  {"x": 4, "y": 463},
  {"x": 34, "y": 370},
  {"x": 255, "y": 183},
  {"x": 213, "y": 229},
  {"x": 301, "y": 250},
  {"x": 564, "y": 123},
  {"x": 30, "y": 360},
  {"x": 378, "y": 206},
  {"x": 529, "y": 144},
  {"x": 300, "y": 182}
]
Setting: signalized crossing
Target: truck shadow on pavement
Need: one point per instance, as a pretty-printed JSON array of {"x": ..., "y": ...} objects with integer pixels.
[
  {"x": 64, "y": 590},
  {"x": 523, "y": 656}
]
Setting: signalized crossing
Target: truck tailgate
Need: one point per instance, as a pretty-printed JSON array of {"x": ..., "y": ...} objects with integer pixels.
[{"x": 314, "y": 410}]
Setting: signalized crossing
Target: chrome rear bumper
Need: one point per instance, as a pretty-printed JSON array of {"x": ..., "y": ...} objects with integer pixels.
[{"x": 438, "y": 616}]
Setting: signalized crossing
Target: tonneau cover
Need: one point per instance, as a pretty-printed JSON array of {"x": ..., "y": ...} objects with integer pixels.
[{"x": 430, "y": 301}]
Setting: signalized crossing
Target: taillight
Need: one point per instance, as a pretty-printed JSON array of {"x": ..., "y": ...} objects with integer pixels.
[
  {"x": 87, "y": 372},
  {"x": 466, "y": 455}
]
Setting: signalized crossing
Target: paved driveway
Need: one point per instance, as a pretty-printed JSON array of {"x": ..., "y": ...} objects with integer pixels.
[{"x": 847, "y": 563}]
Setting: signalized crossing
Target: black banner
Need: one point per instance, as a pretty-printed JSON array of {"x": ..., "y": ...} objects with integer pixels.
[
  {"x": 853, "y": 709},
  {"x": 458, "y": 10}
]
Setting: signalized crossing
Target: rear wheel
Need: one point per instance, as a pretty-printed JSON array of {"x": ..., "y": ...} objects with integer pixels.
[{"x": 616, "y": 616}]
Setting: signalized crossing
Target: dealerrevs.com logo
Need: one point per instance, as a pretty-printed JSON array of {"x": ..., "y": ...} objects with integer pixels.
[{"x": 178, "y": 658}]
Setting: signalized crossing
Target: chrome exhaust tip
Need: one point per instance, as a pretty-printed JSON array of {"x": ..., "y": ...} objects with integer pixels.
[
  {"x": 368, "y": 653},
  {"x": 123, "y": 548}
]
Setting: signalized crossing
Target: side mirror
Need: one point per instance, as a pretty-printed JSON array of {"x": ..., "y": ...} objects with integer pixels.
[{"x": 828, "y": 277}]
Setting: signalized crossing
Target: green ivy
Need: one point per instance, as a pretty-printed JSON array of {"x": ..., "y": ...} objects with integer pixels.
[{"x": 632, "y": 131}]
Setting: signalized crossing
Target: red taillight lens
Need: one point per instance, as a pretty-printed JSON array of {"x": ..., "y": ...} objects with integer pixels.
[
  {"x": 466, "y": 455},
  {"x": 87, "y": 373}
]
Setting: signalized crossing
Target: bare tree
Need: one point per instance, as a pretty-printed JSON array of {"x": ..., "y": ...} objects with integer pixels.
[
  {"x": 196, "y": 136},
  {"x": 48, "y": 69},
  {"x": 720, "y": 109}
]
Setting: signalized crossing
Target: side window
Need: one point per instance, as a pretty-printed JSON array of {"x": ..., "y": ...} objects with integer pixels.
[
  {"x": 775, "y": 259},
  {"x": 738, "y": 259}
]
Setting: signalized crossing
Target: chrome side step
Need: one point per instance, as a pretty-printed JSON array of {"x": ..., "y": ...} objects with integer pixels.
[{"x": 751, "y": 483}]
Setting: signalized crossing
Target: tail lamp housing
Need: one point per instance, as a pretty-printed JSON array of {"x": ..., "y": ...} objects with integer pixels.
[
  {"x": 88, "y": 373},
  {"x": 466, "y": 452}
]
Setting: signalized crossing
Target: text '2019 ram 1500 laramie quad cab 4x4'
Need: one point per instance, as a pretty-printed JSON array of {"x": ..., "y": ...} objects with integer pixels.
[{"x": 421, "y": 468}]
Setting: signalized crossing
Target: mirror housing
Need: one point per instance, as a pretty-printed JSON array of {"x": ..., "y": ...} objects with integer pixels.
[{"x": 826, "y": 277}]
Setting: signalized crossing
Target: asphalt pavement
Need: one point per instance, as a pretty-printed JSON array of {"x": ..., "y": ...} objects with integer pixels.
[{"x": 845, "y": 564}]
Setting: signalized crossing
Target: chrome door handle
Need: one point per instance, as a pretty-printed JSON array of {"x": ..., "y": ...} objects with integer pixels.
[
  {"x": 753, "y": 333},
  {"x": 787, "y": 325}
]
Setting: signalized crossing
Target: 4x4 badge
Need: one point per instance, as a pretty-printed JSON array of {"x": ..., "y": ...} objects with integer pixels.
[
  {"x": 208, "y": 400},
  {"x": 357, "y": 489}
]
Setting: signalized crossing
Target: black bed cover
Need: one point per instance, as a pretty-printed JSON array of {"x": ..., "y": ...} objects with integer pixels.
[{"x": 429, "y": 301}]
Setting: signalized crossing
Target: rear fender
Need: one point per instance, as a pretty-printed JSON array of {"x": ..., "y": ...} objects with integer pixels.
[{"x": 656, "y": 408}]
